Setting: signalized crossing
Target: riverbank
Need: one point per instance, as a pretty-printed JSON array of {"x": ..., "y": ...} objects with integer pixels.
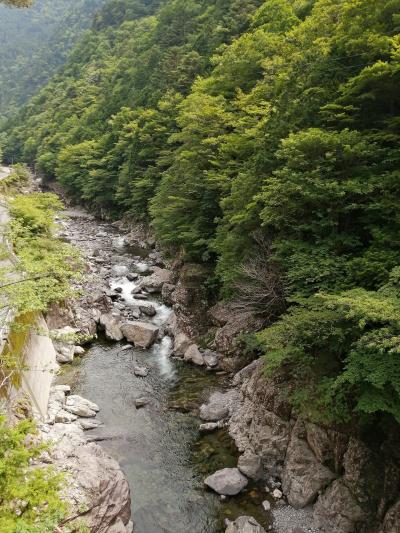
[{"x": 157, "y": 442}]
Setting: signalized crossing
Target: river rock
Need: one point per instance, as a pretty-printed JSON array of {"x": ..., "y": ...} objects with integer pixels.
[
  {"x": 211, "y": 358},
  {"x": 64, "y": 417},
  {"x": 112, "y": 326},
  {"x": 266, "y": 505},
  {"x": 228, "y": 481},
  {"x": 141, "y": 402},
  {"x": 156, "y": 280},
  {"x": 210, "y": 426},
  {"x": 140, "y": 371},
  {"x": 141, "y": 334},
  {"x": 78, "y": 350},
  {"x": 244, "y": 524},
  {"x": 193, "y": 355},
  {"x": 250, "y": 465},
  {"x": 217, "y": 407},
  {"x": 64, "y": 352},
  {"x": 181, "y": 344},
  {"x": 87, "y": 424},
  {"x": 147, "y": 309},
  {"x": 80, "y": 406},
  {"x": 132, "y": 276},
  {"x": 119, "y": 270}
]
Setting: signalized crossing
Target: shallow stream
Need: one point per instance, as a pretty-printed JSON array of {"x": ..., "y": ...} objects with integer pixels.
[{"x": 159, "y": 447}]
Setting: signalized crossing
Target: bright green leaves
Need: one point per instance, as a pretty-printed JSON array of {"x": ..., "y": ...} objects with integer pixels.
[
  {"x": 47, "y": 265},
  {"x": 344, "y": 349},
  {"x": 29, "y": 496}
]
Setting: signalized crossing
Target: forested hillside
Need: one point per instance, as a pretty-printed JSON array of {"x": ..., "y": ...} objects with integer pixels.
[
  {"x": 35, "y": 42},
  {"x": 251, "y": 133}
]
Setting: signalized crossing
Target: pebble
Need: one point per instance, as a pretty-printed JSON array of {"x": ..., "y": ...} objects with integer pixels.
[
  {"x": 277, "y": 494},
  {"x": 266, "y": 505},
  {"x": 141, "y": 402}
]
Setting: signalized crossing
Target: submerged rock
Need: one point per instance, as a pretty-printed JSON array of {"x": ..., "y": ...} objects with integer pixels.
[
  {"x": 244, "y": 524},
  {"x": 228, "y": 481},
  {"x": 218, "y": 406},
  {"x": 141, "y": 334}
]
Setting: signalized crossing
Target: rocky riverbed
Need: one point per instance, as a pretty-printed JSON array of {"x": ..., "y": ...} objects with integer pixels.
[
  {"x": 203, "y": 448},
  {"x": 163, "y": 402}
]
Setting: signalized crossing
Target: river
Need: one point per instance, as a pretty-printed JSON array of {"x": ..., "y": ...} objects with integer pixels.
[{"x": 159, "y": 446}]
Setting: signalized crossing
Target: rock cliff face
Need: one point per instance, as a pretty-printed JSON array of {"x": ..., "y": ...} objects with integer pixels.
[{"x": 354, "y": 485}]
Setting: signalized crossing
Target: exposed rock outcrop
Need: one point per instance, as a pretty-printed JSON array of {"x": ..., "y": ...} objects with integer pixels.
[
  {"x": 97, "y": 490},
  {"x": 352, "y": 485}
]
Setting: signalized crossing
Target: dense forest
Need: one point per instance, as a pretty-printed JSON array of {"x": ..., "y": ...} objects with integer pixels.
[
  {"x": 262, "y": 139},
  {"x": 35, "y": 42}
]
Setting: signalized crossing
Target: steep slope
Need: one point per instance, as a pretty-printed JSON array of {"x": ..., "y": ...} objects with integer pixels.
[
  {"x": 34, "y": 42},
  {"x": 260, "y": 138}
]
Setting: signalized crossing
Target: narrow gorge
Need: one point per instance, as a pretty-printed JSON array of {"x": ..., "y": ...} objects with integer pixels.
[{"x": 199, "y": 266}]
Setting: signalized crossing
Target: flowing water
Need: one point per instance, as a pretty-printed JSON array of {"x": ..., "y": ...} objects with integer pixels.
[{"x": 159, "y": 446}]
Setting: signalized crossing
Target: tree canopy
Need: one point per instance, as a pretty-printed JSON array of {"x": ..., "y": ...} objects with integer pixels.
[{"x": 220, "y": 121}]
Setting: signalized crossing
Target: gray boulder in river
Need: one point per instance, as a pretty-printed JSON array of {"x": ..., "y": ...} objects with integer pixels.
[
  {"x": 228, "y": 481},
  {"x": 141, "y": 334}
]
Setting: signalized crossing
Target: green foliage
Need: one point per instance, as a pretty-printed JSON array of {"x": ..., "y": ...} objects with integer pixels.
[
  {"x": 16, "y": 180},
  {"x": 47, "y": 265},
  {"x": 343, "y": 351},
  {"x": 29, "y": 496},
  {"x": 35, "y": 43},
  {"x": 217, "y": 121}
]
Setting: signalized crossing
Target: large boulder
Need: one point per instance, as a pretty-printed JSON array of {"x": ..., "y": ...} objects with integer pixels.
[
  {"x": 157, "y": 279},
  {"x": 228, "y": 481},
  {"x": 250, "y": 465},
  {"x": 112, "y": 326},
  {"x": 244, "y": 524},
  {"x": 218, "y": 406},
  {"x": 304, "y": 477},
  {"x": 141, "y": 334},
  {"x": 193, "y": 355},
  {"x": 338, "y": 510},
  {"x": 181, "y": 344}
]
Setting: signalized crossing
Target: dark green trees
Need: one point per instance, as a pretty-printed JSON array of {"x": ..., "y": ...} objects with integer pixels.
[{"x": 224, "y": 122}]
